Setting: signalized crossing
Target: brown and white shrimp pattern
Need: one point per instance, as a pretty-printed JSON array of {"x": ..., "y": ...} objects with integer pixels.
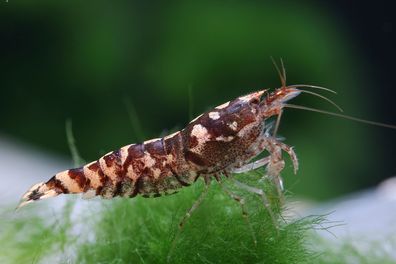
[{"x": 223, "y": 140}]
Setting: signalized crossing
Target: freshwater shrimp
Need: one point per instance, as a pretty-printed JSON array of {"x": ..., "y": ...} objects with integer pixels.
[{"x": 222, "y": 141}]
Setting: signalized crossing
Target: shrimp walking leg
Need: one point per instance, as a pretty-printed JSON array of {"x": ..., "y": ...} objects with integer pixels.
[
  {"x": 277, "y": 164},
  {"x": 252, "y": 166},
  {"x": 274, "y": 146},
  {"x": 289, "y": 150},
  {"x": 245, "y": 214},
  {"x": 196, "y": 204},
  {"x": 262, "y": 195}
]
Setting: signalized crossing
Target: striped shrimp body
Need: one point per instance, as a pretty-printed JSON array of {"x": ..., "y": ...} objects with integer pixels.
[
  {"x": 221, "y": 141},
  {"x": 224, "y": 140}
]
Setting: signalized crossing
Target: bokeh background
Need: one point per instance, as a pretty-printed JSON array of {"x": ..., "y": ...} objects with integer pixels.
[{"x": 127, "y": 71}]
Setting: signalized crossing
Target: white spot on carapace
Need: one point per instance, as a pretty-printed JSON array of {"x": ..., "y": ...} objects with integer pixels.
[
  {"x": 214, "y": 115},
  {"x": 92, "y": 176},
  {"x": 151, "y": 140},
  {"x": 223, "y": 105},
  {"x": 201, "y": 133},
  {"x": 172, "y": 135},
  {"x": 233, "y": 125},
  {"x": 195, "y": 119},
  {"x": 68, "y": 182},
  {"x": 148, "y": 160},
  {"x": 225, "y": 139},
  {"x": 254, "y": 111}
]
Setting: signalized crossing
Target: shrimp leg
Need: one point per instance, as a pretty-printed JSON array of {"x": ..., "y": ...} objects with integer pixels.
[
  {"x": 277, "y": 164},
  {"x": 275, "y": 148},
  {"x": 195, "y": 205},
  {"x": 262, "y": 195},
  {"x": 252, "y": 166},
  {"x": 245, "y": 214}
]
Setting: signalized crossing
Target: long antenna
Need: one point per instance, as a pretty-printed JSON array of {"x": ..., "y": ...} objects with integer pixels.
[
  {"x": 282, "y": 78},
  {"x": 324, "y": 98},
  {"x": 340, "y": 115}
]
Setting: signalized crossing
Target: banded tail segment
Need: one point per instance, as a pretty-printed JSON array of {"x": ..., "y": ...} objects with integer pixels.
[
  {"x": 37, "y": 192},
  {"x": 69, "y": 181}
]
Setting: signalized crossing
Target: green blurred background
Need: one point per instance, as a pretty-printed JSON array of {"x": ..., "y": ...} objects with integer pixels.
[{"x": 126, "y": 71}]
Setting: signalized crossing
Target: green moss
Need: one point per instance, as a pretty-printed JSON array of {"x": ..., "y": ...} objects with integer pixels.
[
  {"x": 142, "y": 230},
  {"x": 29, "y": 237}
]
